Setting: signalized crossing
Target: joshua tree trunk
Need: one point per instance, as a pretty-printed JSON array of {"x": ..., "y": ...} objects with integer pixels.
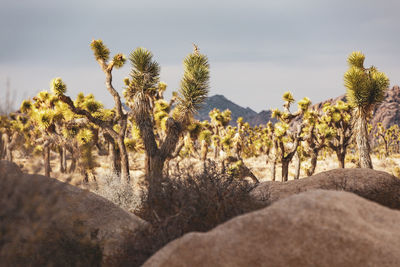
[
  {"x": 203, "y": 152},
  {"x": 114, "y": 156},
  {"x": 9, "y": 145},
  {"x": 386, "y": 147},
  {"x": 314, "y": 157},
  {"x": 6, "y": 147},
  {"x": 341, "y": 155},
  {"x": 46, "y": 155},
  {"x": 362, "y": 140},
  {"x": 285, "y": 170},
  {"x": 298, "y": 165},
  {"x": 72, "y": 167},
  {"x": 155, "y": 154},
  {"x": 2, "y": 148},
  {"x": 73, "y": 153},
  {"x": 154, "y": 168},
  {"x": 288, "y": 158},
  {"x": 62, "y": 157},
  {"x": 216, "y": 152},
  {"x": 124, "y": 159},
  {"x": 273, "y": 170}
]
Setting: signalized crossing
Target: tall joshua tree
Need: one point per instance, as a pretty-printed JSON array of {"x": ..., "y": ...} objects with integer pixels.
[
  {"x": 365, "y": 89},
  {"x": 140, "y": 91},
  {"x": 102, "y": 56}
]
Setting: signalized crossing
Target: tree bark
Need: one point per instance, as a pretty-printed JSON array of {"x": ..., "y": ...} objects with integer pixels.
[
  {"x": 62, "y": 155},
  {"x": 6, "y": 147},
  {"x": 113, "y": 154},
  {"x": 124, "y": 160},
  {"x": 298, "y": 165},
  {"x": 47, "y": 168},
  {"x": 273, "y": 170},
  {"x": 2, "y": 149},
  {"x": 341, "y": 155},
  {"x": 314, "y": 158},
  {"x": 362, "y": 141},
  {"x": 285, "y": 170}
]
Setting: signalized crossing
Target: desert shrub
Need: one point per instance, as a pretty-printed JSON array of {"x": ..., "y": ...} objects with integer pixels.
[
  {"x": 352, "y": 158},
  {"x": 396, "y": 171},
  {"x": 185, "y": 202},
  {"x": 34, "y": 232},
  {"x": 110, "y": 186}
]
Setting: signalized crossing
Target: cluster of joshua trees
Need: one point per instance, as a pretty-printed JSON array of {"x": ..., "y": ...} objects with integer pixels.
[{"x": 79, "y": 129}]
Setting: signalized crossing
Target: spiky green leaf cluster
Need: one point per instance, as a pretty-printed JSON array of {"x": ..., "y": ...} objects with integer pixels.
[
  {"x": 276, "y": 113},
  {"x": 58, "y": 86},
  {"x": 304, "y": 104},
  {"x": 356, "y": 59},
  {"x": 70, "y": 131},
  {"x": 84, "y": 136},
  {"x": 194, "y": 129},
  {"x": 194, "y": 84},
  {"x": 162, "y": 86},
  {"x": 365, "y": 87},
  {"x": 26, "y": 106},
  {"x": 234, "y": 169},
  {"x": 42, "y": 96},
  {"x": 281, "y": 129},
  {"x": 145, "y": 73},
  {"x": 92, "y": 105},
  {"x": 119, "y": 60},
  {"x": 219, "y": 118},
  {"x": 206, "y": 136},
  {"x": 288, "y": 97},
  {"x": 44, "y": 118},
  {"x": 100, "y": 50},
  {"x": 325, "y": 131}
]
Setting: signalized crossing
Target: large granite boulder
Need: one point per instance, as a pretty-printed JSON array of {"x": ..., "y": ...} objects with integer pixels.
[
  {"x": 316, "y": 228},
  {"x": 377, "y": 186},
  {"x": 32, "y": 206}
]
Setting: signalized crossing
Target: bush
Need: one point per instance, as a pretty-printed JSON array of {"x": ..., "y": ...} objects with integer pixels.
[
  {"x": 111, "y": 187},
  {"x": 396, "y": 171},
  {"x": 185, "y": 202}
]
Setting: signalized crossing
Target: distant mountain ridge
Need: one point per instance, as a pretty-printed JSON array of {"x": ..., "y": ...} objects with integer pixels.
[
  {"x": 388, "y": 112},
  {"x": 221, "y": 102}
]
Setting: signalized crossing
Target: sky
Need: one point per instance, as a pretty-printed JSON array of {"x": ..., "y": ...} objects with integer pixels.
[{"x": 257, "y": 49}]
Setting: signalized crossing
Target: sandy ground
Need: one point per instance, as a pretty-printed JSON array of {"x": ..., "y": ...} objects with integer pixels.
[{"x": 257, "y": 165}]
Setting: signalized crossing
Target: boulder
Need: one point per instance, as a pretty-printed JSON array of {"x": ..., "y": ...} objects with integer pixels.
[
  {"x": 315, "y": 228},
  {"x": 32, "y": 204},
  {"x": 377, "y": 186}
]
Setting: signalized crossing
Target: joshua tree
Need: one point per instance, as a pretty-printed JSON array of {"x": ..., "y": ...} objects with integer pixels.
[
  {"x": 317, "y": 135},
  {"x": 114, "y": 127},
  {"x": 365, "y": 88},
  {"x": 285, "y": 141},
  {"x": 339, "y": 118},
  {"x": 140, "y": 91},
  {"x": 388, "y": 137}
]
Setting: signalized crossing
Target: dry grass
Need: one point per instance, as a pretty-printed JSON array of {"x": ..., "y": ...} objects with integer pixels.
[
  {"x": 110, "y": 186},
  {"x": 187, "y": 201},
  {"x": 257, "y": 165}
]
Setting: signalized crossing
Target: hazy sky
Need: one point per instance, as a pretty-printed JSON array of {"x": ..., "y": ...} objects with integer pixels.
[{"x": 257, "y": 49}]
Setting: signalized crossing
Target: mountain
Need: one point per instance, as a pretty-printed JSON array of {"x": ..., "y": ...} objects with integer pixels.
[
  {"x": 221, "y": 102},
  {"x": 388, "y": 112}
]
